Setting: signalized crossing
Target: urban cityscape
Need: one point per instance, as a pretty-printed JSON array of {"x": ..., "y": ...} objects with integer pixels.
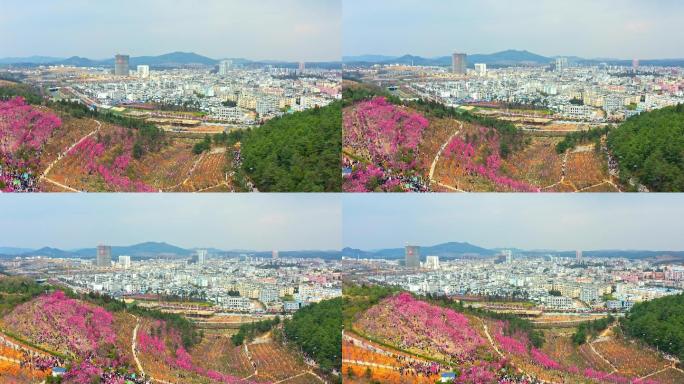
[
  {"x": 458, "y": 311},
  {"x": 155, "y": 311},
  {"x": 141, "y": 111},
  {"x": 519, "y": 114},
  {"x": 341, "y": 192}
]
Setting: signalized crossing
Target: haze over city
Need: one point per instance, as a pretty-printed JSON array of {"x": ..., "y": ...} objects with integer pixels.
[
  {"x": 259, "y": 222},
  {"x": 293, "y": 30},
  {"x": 613, "y": 29},
  {"x": 558, "y": 222}
]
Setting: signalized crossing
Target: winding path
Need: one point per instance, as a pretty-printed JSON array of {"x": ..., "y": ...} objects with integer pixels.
[
  {"x": 48, "y": 169},
  {"x": 436, "y": 160},
  {"x": 66, "y": 151}
]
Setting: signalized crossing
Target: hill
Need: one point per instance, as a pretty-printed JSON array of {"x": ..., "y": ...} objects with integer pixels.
[
  {"x": 650, "y": 149},
  {"x": 659, "y": 323},
  {"x": 498, "y": 59},
  {"x": 149, "y": 250},
  {"x": 452, "y": 250},
  {"x": 444, "y": 250},
  {"x": 297, "y": 152}
]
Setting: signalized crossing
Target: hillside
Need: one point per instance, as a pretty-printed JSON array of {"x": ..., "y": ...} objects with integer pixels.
[
  {"x": 297, "y": 152},
  {"x": 397, "y": 337},
  {"x": 658, "y": 322},
  {"x": 650, "y": 149},
  {"x": 498, "y": 59}
]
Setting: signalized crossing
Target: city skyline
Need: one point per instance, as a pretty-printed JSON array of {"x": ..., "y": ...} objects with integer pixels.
[
  {"x": 293, "y": 30},
  {"x": 618, "y": 29},
  {"x": 531, "y": 222},
  {"x": 260, "y": 222}
]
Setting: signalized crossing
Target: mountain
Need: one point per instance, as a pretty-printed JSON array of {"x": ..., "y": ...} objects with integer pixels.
[
  {"x": 445, "y": 250},
  {"x": 169, "y": 60},
  {"x": 454, "y": 250},
  {"x": 77, "y": 61},
  {"x": 30, "y": 60},
  {"x": 149, "y": 250},
  {"x": 174, "y": 59},
  {"x": 367, "y": 58},
  {"x": 140, "y": 251},
  {"x": 13, "y": 251},
  {"x": 499, "y": 59},
  {"x": 508, "y": 58},
  {"x": 49, "y": 252}
]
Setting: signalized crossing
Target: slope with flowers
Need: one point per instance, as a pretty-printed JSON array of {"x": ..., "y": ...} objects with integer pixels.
[
  {"x": 62, "y": 148},
  {"x": 24, "y": 130},
  {"x": 392, "y": 145},
  {"x": 74, "y": 331},
  {"x": 403, "y": 338}
]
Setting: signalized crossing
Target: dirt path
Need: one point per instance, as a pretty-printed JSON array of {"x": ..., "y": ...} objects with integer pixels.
[
  {"x": 436, "y": 160},
  {"x": 68, "y": 188},
  {"x": 66, "y": 151},
  {"x": 188, "y": 175}
]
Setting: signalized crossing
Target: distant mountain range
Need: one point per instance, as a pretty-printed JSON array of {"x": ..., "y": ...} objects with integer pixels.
[
  {"x": 499, "y": 59},
  {"x": 169, "y": 60},
  {"x": 456, "y": 250},
  {"x": 150, "y": 250}
]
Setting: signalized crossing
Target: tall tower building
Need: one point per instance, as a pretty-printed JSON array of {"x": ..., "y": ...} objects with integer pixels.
[
  {"x": 432, "y": 262},
  {"x": 124, "y": 261},
  {"x": 459, "y": 62},
  {"x": 274, "y": 254},
  {"x": 509, "y": 255},
  {"x": 412, "y": 254},
  {"x": 104, "y": 256},
  {"x": 201, "y": 256},
  {"x": 578, "y": 256},
  {"x": 225, "y": 66},
  {"x": 481, "y": 69},
  {"x": 302, "y": 66},
  {"x": 143, "y": 71},
  {"x": 635, "y": 64},
  {"x": 121, "y": 67},
  {"x": 561, "y": 64}
]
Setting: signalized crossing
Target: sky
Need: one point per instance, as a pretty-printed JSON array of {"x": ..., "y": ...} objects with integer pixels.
[
  {"x": 623, "y": 29},
  {"x": 259, "y": 222},
  {"x": 509, "y": 220},
  {"x": 293, "y": 30}
]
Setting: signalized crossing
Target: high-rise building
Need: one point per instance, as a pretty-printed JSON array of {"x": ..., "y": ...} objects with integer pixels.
[
  {"x": 274, "y": 254},
  {"x": 459, "y": 62},
  {"x": 302, "y": 66},
  {"x": 578, "y": 256},
  {"x": 508, "y": 254},
  {"x": 201, "y": 256},
  {"x": 412, "y": 254},
  {"x": 143, "y": 71},
  {"x": 481, "y": 69},
  {"x": 432, "y": 262},
  {"x": 104, "y": 256},
  {"x": 121, "y": 67},
  {"x": 635, "y": 64},
  {"x": 561, "y": 64},
  {"x": 224, "y": 67},
  {"x": 124, "y": 261}
]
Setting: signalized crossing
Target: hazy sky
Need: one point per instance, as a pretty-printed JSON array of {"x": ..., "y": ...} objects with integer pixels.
[
  {"x": 528, "y": 221},
  {"x": 293, "y": 30},
  {"x": 226, "y": 221},
  {"x": 588, "y": 28}
]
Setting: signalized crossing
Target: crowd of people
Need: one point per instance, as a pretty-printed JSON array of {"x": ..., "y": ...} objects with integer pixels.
[
  {"x": 407, "y": 365},
  {"x": 15, "y": 180}
]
